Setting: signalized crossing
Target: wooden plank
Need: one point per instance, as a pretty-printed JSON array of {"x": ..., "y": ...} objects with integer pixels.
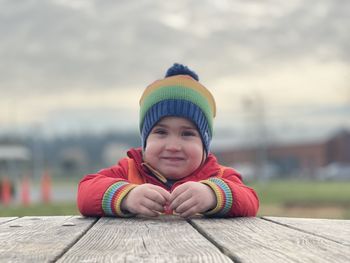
[
  {"x": 258, "y": 240},
  {"x": 163, "y": 239},
  {"x": 333, "y": 229},
  {"x": 38, "y": 239},
  {"x": 6, "y": 219}
]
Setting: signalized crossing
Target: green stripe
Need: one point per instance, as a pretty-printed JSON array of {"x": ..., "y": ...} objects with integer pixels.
[
  {"x": 228, "y": 200},
  {"x": 108, "y": 196},
  {"x": 177, "y": 92}
]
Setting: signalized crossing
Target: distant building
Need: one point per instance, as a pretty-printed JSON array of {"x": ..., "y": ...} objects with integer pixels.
[
  {"x": 71, "y": 160},
  {"x": 113, "y": 152},
  {"x": 15, "y": 160},
  {"x": 303, "y": 159}
]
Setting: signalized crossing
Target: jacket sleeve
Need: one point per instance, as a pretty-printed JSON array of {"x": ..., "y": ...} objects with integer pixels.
[
  {"x": 234, "y": 198},
  {"x": 101, "y": 194}
]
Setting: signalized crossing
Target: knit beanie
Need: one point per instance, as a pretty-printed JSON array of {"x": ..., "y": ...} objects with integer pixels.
[{"x": 179, "y": 94}]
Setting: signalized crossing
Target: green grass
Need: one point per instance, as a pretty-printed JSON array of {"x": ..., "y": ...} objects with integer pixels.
[
  {"x": 292, "y": 191},
  {"x": 40, "y": 210},
  {"x": 277, "y": 198},
  {"x": 296, "y": 198}
]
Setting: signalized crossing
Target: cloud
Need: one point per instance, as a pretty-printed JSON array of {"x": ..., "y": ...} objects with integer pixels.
[
  {"x": 56, "y": 50},
  {"x": 62, "y": 44}
]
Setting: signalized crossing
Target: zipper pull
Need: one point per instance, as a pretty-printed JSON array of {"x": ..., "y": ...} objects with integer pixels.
[{"x": 156, "y": 173}]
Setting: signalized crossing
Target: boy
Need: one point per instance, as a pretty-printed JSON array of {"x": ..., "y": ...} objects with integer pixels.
[{"x": 173, "y": 171}]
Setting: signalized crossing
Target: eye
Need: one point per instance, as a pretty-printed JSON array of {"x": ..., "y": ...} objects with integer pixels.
[
  {"x": 189, "y": 133},
  {"x": 159, "y": 131}
]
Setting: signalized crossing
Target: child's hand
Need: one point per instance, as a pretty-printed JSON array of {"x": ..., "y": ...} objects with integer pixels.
[
  {"x": 146, "y": 199},
  {"x": 191, "y": 198}
]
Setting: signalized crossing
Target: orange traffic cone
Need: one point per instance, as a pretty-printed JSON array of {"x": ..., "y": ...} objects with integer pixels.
[
  {"x": 25, "y": 198},
  {"x": 46, "y": 188},
  {"x": 5, "y": 191}
]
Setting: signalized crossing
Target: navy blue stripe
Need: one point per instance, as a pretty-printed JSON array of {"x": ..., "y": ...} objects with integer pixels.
[{"x": 180, "y": 108}]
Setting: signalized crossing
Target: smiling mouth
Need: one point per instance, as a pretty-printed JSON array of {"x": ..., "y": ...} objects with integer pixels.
[{"x": 173, "y": 158}]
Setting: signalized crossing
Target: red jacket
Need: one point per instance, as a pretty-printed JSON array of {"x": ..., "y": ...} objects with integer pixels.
[{"x": 101, "y": 194}]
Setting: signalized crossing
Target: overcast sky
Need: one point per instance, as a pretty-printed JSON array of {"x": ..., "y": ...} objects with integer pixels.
[{"x": 81, "y": 65}]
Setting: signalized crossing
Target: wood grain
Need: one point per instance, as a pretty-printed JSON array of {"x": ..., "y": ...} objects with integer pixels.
[
  {"x": 258, "y": 240},
  {"x": 336, "y": 230},
  {"x": 164, "y": 239},
  {"x": 6, "y": 219},
  {"x": 40, "y": 239}
]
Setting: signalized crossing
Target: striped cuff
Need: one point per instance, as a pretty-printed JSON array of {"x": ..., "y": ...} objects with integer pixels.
[
  {"x": 223, "y": 196},
  {"x": 113, "y": 197}
]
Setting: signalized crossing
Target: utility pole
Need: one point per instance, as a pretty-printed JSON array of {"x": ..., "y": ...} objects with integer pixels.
[
  {"x": 37, "y": 150},
  {"x": 254, "y": 107}
]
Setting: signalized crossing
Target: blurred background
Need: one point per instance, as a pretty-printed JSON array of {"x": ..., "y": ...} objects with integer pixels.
[{"x": 72, "y": 72}]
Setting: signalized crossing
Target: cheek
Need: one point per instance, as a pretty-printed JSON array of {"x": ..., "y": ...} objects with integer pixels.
[
  {"x": 150, "y": 152},
  {"x": 196, "y": 153}
]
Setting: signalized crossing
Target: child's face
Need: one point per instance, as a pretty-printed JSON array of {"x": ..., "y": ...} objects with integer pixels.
[{"x": 174, "y": 147}]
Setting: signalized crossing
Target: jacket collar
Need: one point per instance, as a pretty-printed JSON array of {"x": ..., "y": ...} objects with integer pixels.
[{"x": 209, "y": 168}]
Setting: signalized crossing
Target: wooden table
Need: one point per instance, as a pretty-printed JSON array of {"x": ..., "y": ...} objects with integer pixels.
[{"x": 173, "y": 239}]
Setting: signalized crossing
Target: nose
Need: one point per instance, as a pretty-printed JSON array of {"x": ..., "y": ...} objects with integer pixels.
[{"x": 173, "y": 144}]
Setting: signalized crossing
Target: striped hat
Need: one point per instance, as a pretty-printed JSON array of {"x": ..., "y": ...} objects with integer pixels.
[{"x": 178, "y": 94}]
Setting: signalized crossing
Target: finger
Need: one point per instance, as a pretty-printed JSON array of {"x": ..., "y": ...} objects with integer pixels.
[
  {"x": 147, "y": 212},
  {"x": 152, "y": 205},
  {"x": 155, "y": 196},
  {"x": 163, "y": 192},
  {"x": 185, "y": 206},
  {"x": 190, "y": 212},
  {"x": 184, "y": 196},
  {"x": 178, "y": 191},
  {"x": 189, "y": 208}
]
